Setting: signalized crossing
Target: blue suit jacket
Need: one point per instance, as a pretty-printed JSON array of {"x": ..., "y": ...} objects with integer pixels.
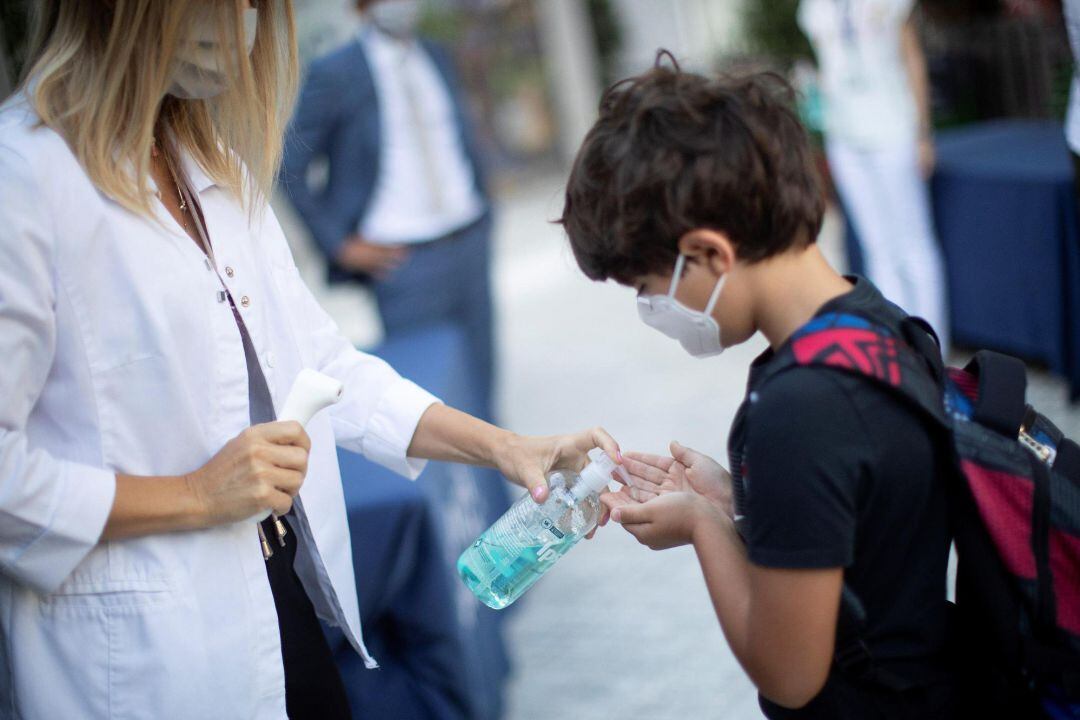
[{"x": 338, "y": 118}]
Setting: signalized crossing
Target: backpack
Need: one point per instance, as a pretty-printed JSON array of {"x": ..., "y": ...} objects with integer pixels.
[{"x": 1014, "y": 506}]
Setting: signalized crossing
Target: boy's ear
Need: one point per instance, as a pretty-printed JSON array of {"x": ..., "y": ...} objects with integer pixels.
[{"x": 710, "y": 247}]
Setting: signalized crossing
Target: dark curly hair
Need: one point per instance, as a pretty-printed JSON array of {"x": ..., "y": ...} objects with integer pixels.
[{"x": 673, "y": 151}]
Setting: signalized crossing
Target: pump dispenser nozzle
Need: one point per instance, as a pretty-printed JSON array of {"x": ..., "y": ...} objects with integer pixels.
[{"x": 597, "y": 474}]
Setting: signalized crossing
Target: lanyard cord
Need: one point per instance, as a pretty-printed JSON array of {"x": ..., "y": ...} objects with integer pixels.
[{"x": 200, "y": 228}]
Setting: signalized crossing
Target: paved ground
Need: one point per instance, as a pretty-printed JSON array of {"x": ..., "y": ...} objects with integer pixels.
[{"x": 615, "y": 631}]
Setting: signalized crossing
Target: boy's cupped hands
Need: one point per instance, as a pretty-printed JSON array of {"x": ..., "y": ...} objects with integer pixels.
[{"x": 669, "y": 496}]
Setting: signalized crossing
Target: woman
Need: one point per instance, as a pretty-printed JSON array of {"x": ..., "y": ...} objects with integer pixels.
[
  {"x": 150, "y": 312},
  {"x": 879, "y": 143}
]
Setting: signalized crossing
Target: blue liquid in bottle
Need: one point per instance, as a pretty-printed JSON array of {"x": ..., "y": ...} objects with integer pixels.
[{"x": 522, "y": 545}]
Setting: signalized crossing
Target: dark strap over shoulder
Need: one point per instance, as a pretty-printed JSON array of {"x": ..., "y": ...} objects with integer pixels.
[
  {"x": 921, "y": 337},
  {"x": 1002, "y": 388},
  {"x": 1068, "y": 459},
  {"x": 1045, "y": 605}
]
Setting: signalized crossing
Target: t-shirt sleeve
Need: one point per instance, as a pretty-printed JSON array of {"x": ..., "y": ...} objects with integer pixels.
[{"x": 806, "y": 451}]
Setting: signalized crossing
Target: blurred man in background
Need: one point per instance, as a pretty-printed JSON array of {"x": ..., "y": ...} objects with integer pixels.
[{"x": 403, "y": 207}]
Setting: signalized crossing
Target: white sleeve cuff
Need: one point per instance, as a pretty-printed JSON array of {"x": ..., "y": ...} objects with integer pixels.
[
  {"x": 391, "y": 427},
  {"x": 83, "y": 503}
]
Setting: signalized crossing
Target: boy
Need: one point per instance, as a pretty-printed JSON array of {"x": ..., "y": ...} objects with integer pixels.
[{"x": 702, "y": 194}]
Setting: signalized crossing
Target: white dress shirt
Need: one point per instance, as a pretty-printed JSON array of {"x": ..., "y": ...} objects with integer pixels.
[
  {"x": 119, "y": 357},
  {"x": 869, "y": 102},
  {"x": 426, "y": 187}
]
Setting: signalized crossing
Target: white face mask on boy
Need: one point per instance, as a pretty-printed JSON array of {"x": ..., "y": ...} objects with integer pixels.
[
  {"x": 696, "y": 330},
  {"x": 201, "y": 66}
]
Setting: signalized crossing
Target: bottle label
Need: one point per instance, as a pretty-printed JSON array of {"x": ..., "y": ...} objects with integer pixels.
[
  {"x": 550, "y": 527},
  {"x": 548, "y": 551}
]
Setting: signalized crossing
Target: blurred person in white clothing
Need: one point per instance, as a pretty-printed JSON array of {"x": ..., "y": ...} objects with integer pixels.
[
  {"x": 1071, "y": 10},
  {"x": 879, "y": 143}
]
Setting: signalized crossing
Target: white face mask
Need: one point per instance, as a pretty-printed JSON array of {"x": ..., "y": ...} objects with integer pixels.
[
  {"x": 201, "y": 64},
  {"x": 696, "y": 330},
  {"x": 396, "y": 17}
]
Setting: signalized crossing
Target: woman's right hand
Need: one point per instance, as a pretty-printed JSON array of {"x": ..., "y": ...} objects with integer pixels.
[{"x": 258, "y": 471}]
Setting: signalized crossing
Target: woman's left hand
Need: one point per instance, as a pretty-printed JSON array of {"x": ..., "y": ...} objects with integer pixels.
[
  {"x": 450, "y": 435},
  {"x": 527, "y": 460}
]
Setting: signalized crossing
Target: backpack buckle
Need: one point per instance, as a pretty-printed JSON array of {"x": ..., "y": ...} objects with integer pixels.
[{"x": 1044, "y": 453}]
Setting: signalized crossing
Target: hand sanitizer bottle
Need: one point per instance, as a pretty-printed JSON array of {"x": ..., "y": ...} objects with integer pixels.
[{"x": 525, "y": 542}]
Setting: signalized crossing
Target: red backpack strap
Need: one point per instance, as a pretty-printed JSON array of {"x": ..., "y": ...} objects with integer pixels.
[
  {"x": 909, "y": 366},
  {"x": 848, "y": 342}
]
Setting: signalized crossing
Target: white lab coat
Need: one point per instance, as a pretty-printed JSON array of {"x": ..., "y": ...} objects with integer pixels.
[{"x": 116, "y": 355}]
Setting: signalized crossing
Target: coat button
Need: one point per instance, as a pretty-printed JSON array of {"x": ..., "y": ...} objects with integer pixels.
[
  {"x": 229, "y": 271},
  {"x": 269, "y": 359},
  {"x": 245, "y": 301}
]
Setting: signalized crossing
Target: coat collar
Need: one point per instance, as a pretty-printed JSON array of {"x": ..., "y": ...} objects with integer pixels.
[{"x": 196, "y": 176}]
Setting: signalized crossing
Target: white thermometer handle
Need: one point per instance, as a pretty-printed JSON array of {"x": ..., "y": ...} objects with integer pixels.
[{"x": 311, "y": 392}]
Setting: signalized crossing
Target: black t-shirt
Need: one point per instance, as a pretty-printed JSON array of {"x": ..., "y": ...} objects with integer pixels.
[{"x": 834, "y": 471}]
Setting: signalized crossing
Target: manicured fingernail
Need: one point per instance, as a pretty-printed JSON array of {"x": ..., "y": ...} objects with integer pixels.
[
  {"x": 616, "y": 515},
  {"x": 538, "y": 492},
  {"x": 618, "y": 455}
]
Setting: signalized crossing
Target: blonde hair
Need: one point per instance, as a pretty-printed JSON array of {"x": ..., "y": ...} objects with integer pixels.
[{"x": 98, "y": 75}]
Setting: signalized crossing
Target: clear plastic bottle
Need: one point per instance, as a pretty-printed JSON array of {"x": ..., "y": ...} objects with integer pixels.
[{"x": 526, "y": 541}]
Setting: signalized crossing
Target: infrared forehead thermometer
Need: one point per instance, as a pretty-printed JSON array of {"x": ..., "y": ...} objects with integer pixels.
[{"x": 311, "y": 392}]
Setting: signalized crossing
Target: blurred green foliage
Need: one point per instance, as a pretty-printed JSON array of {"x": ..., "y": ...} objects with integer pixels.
[
  {"x": 608, "y": 35},
  {"x": 772, "y": 31},
  {"x": 14, "y": 31}
]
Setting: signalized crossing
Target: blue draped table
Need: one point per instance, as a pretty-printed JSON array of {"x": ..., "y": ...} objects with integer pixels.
[
  {"x": 1006, "y": 216},
  {"x": 440, "y": 652},
  {"x": 1005, "y": 211}
]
